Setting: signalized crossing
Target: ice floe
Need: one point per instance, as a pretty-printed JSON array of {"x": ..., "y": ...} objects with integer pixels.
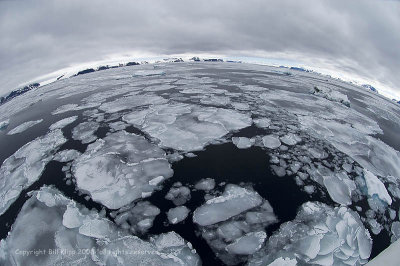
[
  {"x": 85, "y": 131},
  {"x": 63, "y": 122},
  {"x": 271, "y": 142},
  {"x": 25, "y": 166},
  {"x": 233, "y": 224},
  {"x": 319, "y": 235},
  {"x": 376, "y": 187},
  {"x": 233, "y": 201},
  {"x": 120, "y": 168},
  {"x": 186, "y": 127},
  {"x": 83, "y": 237},
  {"x": 24, "y": 126}
]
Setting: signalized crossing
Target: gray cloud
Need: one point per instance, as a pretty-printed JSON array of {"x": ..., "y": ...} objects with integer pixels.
[{"x": 361, "y": 37}]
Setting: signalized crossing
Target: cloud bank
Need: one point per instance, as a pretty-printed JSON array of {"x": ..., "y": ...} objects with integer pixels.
[{"x": 355, "y": 38}]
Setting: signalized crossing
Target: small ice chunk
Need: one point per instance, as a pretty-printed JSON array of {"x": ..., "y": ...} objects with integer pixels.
[
  {"x": 395, "y": 230},
  {"x": 247, "y": 244},
  {"x": 24, "y": 126},
  {"x": 271, "y": 141},
  {"x": 206, "y": 184},
  {"x": 279, "y": 171},
  {"x": 177, "y": 214},
  {"x": 4, "y": 124},
  {"x": 290, "y": 139},
  {"x": 283, "y": 262},
  {"x": 376, "y": 227},
  {"x": 233, "y": 201},
  {"x": 310, "y": 189},
  {"x": 262, "y": 122},
  {"x": 242, "y": 142},
  {"x": 85, "y": 131},
  {"x": 178, "y": 195}
]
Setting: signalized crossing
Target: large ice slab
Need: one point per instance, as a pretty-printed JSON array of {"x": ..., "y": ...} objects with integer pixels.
[
  {"x": 120, "y": 168},
  {"x": 319, "y": 235},
  {"x": 239, "y": 233},
  {"x": 24, "y": 126},
  {"x": 25, "y": 166},
  {"x": 233, "y": 201},
  {"x": 187, "y": 127},
  {"x": 376, "y": 187},
  {"x": 339, "y": 187},
  {"x": 78, "y": 236},
  {"x": 63, "y": 122},
  {"x": 247, "y": 244}
]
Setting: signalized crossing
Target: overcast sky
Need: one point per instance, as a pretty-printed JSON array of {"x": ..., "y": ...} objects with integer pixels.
[{"x": 360, "y": 39}]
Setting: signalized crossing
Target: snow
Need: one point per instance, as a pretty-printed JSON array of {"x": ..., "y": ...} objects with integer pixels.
[
  {"x": 24, "y": 126},
  {"x": 233, "y": 201},
  {"x": 376, "y": 187},
  {"x": 205, "y": 184},
  {"x": 70, "y": 228},
  {"x": 63, "y": 122},
  {"x": 177, "y": 214},
  {"x": 271, "y": 142},
  {"x": 116, "y": 170},
  {"x": 242, "y": 142},
  {"x": 25, "y": 166}
]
